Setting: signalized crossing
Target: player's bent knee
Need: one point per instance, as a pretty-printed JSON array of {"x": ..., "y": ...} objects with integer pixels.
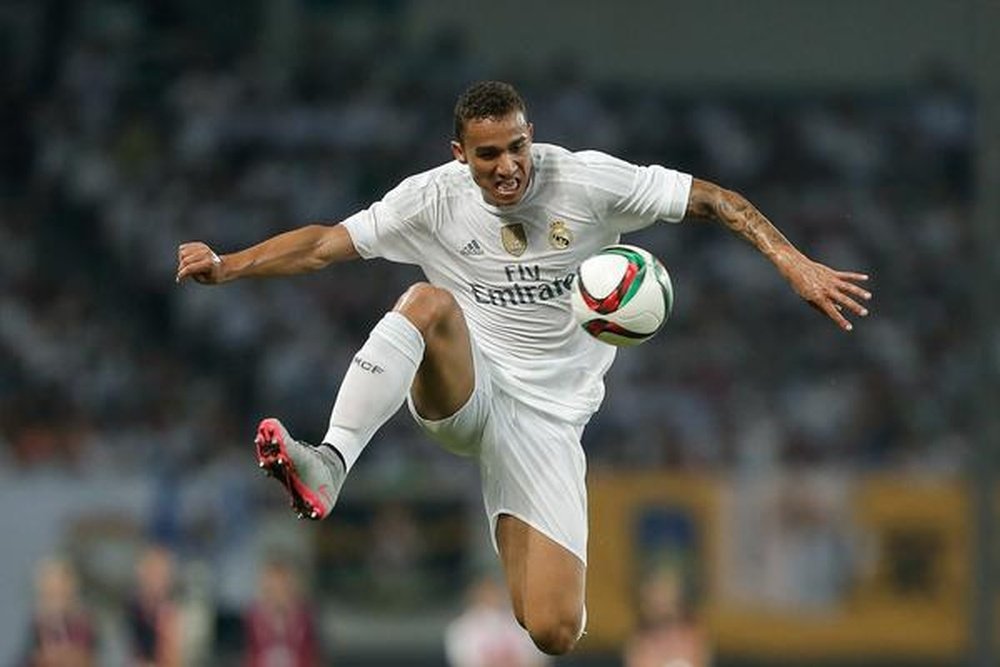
[
  {"x": 427, "y": 306},
  {"x": 555, "y": 635}
]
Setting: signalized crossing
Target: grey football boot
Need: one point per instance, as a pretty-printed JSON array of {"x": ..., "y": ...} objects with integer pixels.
[{"x": 312, "y": 475}]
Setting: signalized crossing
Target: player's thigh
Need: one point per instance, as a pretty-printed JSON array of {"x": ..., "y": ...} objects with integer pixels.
[
  {"x": 446, "y": 376},
  {"x": 464, "y": 431},
  {"x": 546, "y": 581}
]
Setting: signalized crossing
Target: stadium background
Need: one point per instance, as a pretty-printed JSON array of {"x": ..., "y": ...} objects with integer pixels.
[{"x": 822, "y": 497}]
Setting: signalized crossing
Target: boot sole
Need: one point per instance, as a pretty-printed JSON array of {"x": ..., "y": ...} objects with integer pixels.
[{"x": 273, "y": 459}]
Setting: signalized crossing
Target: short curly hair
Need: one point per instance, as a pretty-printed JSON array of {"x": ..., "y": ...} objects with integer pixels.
[{"x": 486, "y": 99}]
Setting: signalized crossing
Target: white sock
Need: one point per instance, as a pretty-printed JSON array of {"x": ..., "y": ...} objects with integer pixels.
[{"x": 375, "y": 385}]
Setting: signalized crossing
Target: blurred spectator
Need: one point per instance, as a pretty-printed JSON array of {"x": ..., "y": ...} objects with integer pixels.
[
  {"x": 153, "y": 616},
  {"x": 667, "y": 634},
  {"x": 62, "y": 632},
  {"x": 280, "y": 627},
  {"x": 486, "y": 634}
]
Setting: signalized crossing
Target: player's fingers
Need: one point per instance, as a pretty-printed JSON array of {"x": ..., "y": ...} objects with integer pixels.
[
  {"x": 841, "y": 299},
  {"x": 851, "y": 275},
  {"x": 193, "y": 250},
  {"x": 190, "y": 268},
  {"x": 186, "y": 249},
  {"x": 203, "y": 264},
  {"x": 184, "y": 257},
  {"x": 182, "y": 272},
  {"x": 828, "y": 307},
  {"x": 856, "y": 290}
]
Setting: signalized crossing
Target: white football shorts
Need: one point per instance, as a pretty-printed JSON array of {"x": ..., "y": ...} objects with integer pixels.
[{"x": 532, "y": 464}]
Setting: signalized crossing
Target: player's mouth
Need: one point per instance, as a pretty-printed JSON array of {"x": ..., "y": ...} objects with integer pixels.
[{"x": 507, "y": 188}]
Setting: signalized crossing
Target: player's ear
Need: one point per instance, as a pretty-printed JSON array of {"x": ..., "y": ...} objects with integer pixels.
[
  {"x": 531, "y": 131},
  {"x": 458, "y": 152}
]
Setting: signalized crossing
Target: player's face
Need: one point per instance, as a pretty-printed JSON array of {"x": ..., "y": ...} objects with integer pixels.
[{"x": 498, "y": 152}]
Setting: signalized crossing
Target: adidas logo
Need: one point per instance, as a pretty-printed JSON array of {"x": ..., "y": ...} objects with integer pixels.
[{"x": 471, "y": 248}]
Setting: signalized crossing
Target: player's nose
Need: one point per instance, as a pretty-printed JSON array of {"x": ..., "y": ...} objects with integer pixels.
[{"x": 506, "y": 166}]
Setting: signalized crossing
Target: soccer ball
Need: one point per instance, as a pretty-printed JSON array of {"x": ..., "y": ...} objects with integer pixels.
[{"x": 622, "y": 295}]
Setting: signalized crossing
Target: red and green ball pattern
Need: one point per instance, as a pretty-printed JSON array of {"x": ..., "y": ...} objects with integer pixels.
[
  {"x": 632, "y": 278},
  {"x": 634, "y": 273}
]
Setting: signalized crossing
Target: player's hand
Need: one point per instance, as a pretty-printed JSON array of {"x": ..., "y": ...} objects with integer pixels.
[
  {"x": 199, "y": 262},
  {"x": 829, "y": 291}
]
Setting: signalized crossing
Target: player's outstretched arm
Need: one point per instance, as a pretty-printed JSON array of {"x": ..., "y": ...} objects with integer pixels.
[
  {"x": 828, "y": 290},
  {"x": 301, "y": 250}
]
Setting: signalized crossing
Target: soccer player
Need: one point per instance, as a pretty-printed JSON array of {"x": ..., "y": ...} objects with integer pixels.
[{"x": 486, "y": 353}]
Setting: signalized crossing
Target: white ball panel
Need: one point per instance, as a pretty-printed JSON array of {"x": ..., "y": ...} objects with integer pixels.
[
  {"x": 644, "y": 311},
  {"x": 602, "y": 274}
]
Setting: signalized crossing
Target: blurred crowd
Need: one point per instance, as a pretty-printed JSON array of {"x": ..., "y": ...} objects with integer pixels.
[
  {"x": 130, "y": 127},
  {"x": 162, "y": 619}
]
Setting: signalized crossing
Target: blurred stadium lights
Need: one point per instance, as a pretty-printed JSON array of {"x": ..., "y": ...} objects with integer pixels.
[{"x": 984, "y": 458}]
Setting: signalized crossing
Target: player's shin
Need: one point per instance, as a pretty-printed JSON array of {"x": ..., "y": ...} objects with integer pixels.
[{"x": 375, "y": 385}]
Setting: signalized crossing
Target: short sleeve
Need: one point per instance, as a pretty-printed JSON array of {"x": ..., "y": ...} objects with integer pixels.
[
  {"x": 390, "y": 228},
  {"x": 630, "y": 196}
]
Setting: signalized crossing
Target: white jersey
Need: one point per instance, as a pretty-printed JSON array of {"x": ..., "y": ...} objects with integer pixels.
[{"x": 511, "y": 268}]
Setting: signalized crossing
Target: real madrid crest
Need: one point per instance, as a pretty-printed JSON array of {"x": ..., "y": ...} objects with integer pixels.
[
  {"x": 559, "y": 235},
  {"x": 514, "y": 239}
]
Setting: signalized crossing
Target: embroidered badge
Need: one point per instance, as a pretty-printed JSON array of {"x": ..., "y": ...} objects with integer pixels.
[
  {"x": 559, "y": 235},
  {"x": 514, "y": 239}
]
